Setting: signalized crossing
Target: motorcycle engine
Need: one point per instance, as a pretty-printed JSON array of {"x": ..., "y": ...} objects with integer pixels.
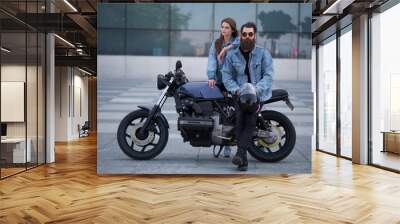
[
  {"x": 205, "y": 131},
  {"x": 196, "y": 129}
]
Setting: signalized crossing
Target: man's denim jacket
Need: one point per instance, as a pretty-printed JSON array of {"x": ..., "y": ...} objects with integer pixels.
[
  {"x": 261, "y": 71},
  {"x": 212, "y": 71}
]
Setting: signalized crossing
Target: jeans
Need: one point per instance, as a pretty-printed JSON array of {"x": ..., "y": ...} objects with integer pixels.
[{"x": 246, "y": 122}]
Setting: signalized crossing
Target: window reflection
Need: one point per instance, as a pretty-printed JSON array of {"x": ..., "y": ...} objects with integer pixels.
[
  {"x": 284, "y": 29},
  {"x": 144, "y": 42},
  {"x": 240, "y": 12},
  {"x": 111, "y": 41},
  {"x": 189, "y": 43},
  {"x": 148, "y": 16},
  {"x": 282, "y": 45},
  {"x": 114, "y": 15},
  {"x": 187, "y": 16},
  {"x": 278, "y": 17}
]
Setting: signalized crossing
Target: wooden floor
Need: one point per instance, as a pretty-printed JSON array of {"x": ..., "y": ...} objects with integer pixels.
[
  {"x": 70, "y": 191},
  {"x": 387, "y": 159}
]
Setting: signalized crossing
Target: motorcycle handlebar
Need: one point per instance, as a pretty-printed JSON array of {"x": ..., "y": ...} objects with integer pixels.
[{"x": 169, "y": 75}]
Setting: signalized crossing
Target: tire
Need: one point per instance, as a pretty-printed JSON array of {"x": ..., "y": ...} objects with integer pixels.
[
  {"x": 123, "y": 138},
  {"x": 286, "y": 148}
]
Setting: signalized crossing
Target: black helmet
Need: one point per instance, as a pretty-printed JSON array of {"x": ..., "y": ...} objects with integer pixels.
[{"x": 248, "y": 97}]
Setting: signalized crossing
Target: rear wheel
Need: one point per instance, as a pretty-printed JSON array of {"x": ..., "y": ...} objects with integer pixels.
[
  {"x": 141, "y": 146},
  {"x": 272, "y": 151}
]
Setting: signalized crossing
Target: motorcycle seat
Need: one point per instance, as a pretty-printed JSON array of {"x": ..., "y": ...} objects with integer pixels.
[
  {"x": 277, "y": 95},
  {"x": 200, "y": 90}
]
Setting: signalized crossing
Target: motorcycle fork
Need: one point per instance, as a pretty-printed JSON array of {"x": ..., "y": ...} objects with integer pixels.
[{"x": 154, "y": 111}]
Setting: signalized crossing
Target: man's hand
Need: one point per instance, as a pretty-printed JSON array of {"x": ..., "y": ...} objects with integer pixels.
[
  {"x": 211, "y": 83},
  {"x": 237, "y": 93}
]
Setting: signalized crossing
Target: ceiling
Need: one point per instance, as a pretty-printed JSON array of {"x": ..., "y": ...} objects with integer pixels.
[
  {"x": 330, "y": 15},
  {"x": 75, "y": 21}
]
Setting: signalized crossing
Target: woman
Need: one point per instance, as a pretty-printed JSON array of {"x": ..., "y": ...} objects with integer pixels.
[{"x": 227, "y": 40}]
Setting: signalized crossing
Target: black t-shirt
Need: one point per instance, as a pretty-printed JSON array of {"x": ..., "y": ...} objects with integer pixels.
[{"x": 246, "y": 56}]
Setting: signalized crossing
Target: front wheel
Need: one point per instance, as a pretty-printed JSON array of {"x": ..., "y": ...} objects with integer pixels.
[
  {"x": 266, "y": 150},
  {"x": 141, "y": 146}
]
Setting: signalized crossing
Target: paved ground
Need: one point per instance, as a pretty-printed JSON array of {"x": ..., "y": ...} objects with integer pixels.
[{"x": 118, "y": 97}]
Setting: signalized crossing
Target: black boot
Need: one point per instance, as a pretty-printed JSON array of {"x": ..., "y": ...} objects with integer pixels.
[
  {"x": 244, "y": 165},
  {"x": 240, "y": 159}
]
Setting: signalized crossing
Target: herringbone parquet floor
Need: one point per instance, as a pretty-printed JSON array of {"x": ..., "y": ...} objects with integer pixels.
[{"x": 70, "y": 191}]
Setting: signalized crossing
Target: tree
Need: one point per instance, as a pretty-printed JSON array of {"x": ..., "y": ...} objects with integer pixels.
[
  {"x": 305, "y": 32},
  {"x": 279, "y": 22},
  {"x": 180, "y": 20},
  {"x": 150, "y": 24}
]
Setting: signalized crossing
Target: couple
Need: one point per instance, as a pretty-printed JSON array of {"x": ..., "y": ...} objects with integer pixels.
[{"x": 237, "y": 66}]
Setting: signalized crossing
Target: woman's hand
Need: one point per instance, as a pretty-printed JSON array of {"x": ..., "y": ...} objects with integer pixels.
[{"x": 211, "y": 83}]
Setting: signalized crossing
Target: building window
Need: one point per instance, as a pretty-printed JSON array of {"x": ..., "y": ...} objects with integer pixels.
[
  {"x": 327, "y": 95},
  {"x": 385, "y": 89},
  {"x": 346, "y": 93},
  {"x": 132, "y": 29}
]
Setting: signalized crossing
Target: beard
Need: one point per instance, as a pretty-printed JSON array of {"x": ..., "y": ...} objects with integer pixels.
[{"x": 247, "y": 44}]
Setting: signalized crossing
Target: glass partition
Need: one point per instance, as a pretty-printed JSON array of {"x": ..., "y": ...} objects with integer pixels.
[
  {"x": 327, "y": 95},
  {"x": 22, "y": 88},
  {"x": 14, "y": 144}
]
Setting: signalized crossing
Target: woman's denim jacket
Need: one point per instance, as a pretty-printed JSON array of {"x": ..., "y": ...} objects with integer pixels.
[{"x": 214, "y": 72}]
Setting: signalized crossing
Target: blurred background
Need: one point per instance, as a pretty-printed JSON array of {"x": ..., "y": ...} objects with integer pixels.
[{"x": 132, "y": 34}]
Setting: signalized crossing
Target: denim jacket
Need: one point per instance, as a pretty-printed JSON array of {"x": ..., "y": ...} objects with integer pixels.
[
  {"x": 212, "y": 71},
  {"x": 261, "y": 71}
]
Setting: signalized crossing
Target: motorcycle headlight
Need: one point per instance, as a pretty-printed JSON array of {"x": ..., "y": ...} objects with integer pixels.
[{"x": 161, "y": 82}]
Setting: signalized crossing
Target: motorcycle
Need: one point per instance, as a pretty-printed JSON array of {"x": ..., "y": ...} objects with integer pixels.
[{"x": 206, "y": 117}]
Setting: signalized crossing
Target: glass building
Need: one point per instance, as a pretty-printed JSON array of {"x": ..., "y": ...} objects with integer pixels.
[{"x": 188, "y": 29}]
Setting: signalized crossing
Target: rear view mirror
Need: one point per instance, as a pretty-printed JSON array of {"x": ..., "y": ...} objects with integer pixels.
[{"x": 178, "y": 65}]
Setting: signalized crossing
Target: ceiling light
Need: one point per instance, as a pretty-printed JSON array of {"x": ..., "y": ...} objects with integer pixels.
[
  {"x": 70, "y": 5},
  {"x": 5, "y": 50},
  {"x": 65, "y": 41}
]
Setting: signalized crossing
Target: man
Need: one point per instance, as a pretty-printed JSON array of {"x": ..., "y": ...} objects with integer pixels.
[{"x": 247, "y": 64}]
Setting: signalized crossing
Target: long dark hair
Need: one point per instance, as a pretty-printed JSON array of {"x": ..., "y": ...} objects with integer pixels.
[{"x": 219, "y": 41}]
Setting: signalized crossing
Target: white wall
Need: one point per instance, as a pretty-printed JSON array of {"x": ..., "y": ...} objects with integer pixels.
[
  {"x": 143, "y": 67},
  {"x": 80, "y": 83},
  {"x": 33, "y": 125},
  {"x": 62, "y": 81},
  {"x": 69, "y": 81},
  {"x": 18, "y": 73}
]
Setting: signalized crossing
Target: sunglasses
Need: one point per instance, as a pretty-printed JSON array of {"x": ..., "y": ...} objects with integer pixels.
[{"x": 250, "y": 34}]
